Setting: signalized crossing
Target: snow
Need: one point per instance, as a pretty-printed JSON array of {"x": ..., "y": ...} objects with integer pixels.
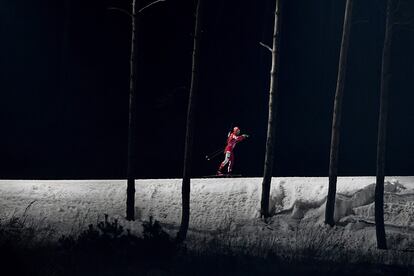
[{"x": 227, "y": 207}]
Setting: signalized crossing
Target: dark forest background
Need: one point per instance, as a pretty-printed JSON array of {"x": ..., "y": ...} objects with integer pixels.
[{"x": 65, "y": 75}]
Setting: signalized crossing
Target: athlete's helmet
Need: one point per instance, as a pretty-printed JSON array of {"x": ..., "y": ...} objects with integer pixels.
[{"x": 236, "y": 130}]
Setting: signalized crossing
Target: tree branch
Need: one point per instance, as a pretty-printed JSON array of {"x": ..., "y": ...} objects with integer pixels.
[
  {"x": 266, "y": 46},
  {"x": 150, "y": 4},
  {"x": 121, "y": 10}
]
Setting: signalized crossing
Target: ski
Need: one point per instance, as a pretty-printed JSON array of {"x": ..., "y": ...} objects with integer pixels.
[{"x": 222, "y": 176}]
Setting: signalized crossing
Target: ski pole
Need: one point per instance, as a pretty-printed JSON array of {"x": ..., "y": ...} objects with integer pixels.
[
  {"x": 214, "y": 154},
  {"x": 218, "y": 150}
]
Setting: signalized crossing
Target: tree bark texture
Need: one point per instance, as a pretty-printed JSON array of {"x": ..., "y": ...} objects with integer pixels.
[
  {"x": 382, "y": 129},
  {"x": 189, "y": 137},
  {"x": 271, "y": 125},
  {"x": 337, "y": 114},
  {"x": 131, "y": 162}
]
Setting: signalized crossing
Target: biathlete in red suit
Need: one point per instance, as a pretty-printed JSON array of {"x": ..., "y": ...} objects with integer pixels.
[{"x": 233, "y": 138}]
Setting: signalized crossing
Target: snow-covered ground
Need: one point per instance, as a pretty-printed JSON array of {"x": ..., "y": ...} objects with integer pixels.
[{"x": 222, "y": 208}]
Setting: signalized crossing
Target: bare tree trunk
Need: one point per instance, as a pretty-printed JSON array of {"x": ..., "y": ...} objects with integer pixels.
[
  {"x": 337, "y": 114},
  {"x": 382, "y": 129},
  {"x": 189, "y": 137},
  {"x": 130, "y": 202},
  {"x": 271, "y": 125}
]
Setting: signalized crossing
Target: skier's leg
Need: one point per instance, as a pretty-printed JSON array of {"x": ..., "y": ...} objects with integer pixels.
[
  {"x": 224, "y": 163},
  {"x": 231, "y": 163}
]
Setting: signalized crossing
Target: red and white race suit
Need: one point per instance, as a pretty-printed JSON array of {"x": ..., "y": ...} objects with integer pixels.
[{"x": 232, "y": 140}]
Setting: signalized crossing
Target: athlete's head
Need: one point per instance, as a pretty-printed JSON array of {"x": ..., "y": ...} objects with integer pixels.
[{"x": 236, "y": 130}]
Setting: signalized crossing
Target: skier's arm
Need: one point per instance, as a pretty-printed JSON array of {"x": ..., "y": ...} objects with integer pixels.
[{"x": 241, "y": 137}]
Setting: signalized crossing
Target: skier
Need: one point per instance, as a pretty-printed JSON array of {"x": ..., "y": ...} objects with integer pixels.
[{"x": 233, "y": 138}]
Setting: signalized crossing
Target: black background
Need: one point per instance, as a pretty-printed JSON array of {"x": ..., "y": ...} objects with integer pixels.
[{"x": 64, "y": 88}]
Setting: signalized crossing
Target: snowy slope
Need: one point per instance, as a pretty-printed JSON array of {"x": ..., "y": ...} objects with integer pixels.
[{"x": 227, "y": 206}]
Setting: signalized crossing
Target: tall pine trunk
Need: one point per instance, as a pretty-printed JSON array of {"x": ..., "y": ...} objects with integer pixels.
[
  {"x": 382, "y": 129},
  {"x": 130, "y": 202},
  {"x": 337, "y": 114},
  {"x": 271, "y": 124},
  {"x": 189, "y": 137}
]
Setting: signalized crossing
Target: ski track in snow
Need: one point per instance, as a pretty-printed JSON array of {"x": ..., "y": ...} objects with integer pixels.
[{"x": 228, "y": 206}]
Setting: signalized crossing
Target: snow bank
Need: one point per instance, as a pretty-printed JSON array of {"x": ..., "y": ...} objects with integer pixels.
[{"x": 218, "y": 206}]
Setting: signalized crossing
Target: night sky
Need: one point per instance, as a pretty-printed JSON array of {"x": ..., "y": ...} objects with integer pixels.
[{"x": 65, "y": 82}]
